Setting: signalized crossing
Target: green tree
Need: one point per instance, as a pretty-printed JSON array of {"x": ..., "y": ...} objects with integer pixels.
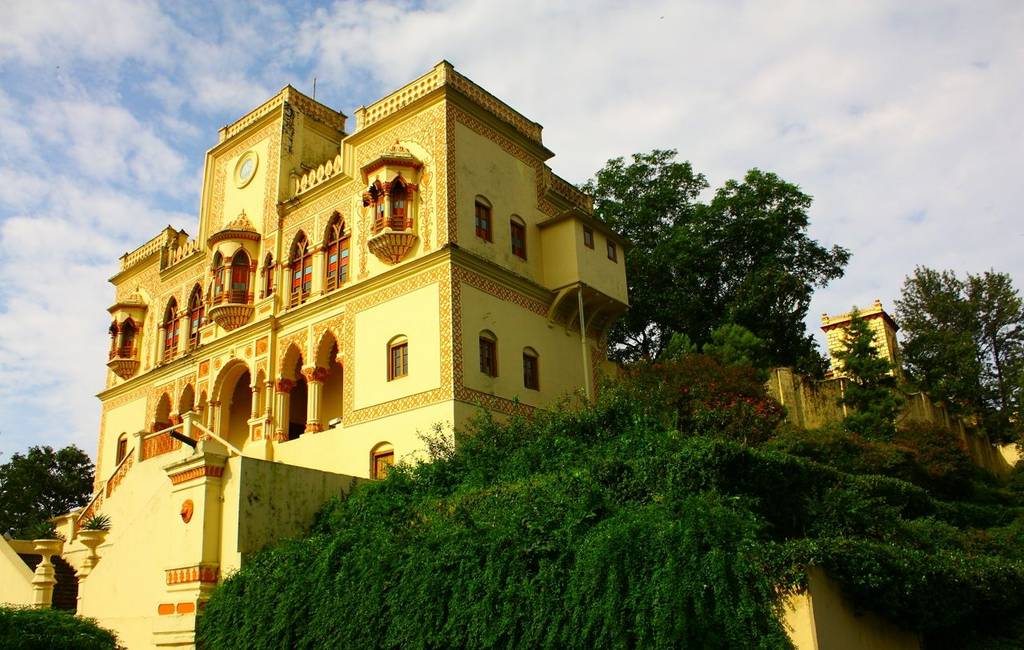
[
  {"x": 870, "y": 389},
  {"x": 41, "y": 484},
  {"x": 735, "y": 345},
  {"x": 744, "y": 257},
  {"x": 964, "y": 343},
  {"x": 999, "y": 313}
]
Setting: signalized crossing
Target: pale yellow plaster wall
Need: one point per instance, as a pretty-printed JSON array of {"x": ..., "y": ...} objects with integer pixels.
[
  {"x": 146, "y": 537},
  {"x": 347, "y": 449},
  {"x": 510, "y": 185},
  {"x": 250, "y": 197},
  {"x": 267, "y": 502},
  {"x": 561, "y": 360},
  {"x": 561, "y": 254},
  {"x": 414, "y": 315},
  {"x": 596, "y": 270},
  {"x": 822, "y": 619},
  {"x": 128, "y": 418},
  {"x": 15, "y": 577}
]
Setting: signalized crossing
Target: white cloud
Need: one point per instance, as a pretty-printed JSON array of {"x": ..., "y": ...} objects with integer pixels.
[{"x": 903, "y": 121}]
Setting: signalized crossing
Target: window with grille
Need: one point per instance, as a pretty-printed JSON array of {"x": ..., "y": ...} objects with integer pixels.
[
  {"x": 337, "y": 254},
  {"x": 518, "y": 231},
  {"x": 398, "y": 359},
  {"x": 483, "y": 221},
  {"x": 588, "y": 237},
  {"x": 531, "y": 371},
  {"x": 488, "y": 355}
]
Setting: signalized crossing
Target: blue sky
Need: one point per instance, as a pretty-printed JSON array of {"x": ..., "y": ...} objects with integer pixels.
[{"x": 902, "y": 119}]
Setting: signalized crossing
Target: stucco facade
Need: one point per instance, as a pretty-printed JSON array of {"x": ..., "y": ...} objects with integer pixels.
[{"x": 344, "y": 293}]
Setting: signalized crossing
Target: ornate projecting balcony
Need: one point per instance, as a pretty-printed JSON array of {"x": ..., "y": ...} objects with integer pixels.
[
  {"x": 231, "y": 309},
  {"x": 123, "y": 361},
  {"x": 392, "y": 239}
]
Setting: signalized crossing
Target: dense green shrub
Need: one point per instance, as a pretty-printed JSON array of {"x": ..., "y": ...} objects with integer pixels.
[
  {"x": 627, "y": 525},
  {"x": 25, "y": 628}
]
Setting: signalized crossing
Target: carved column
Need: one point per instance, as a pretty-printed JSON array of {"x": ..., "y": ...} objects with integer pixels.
[
  {"x": 283, "y": 394},
  {"x": 315, "y": 382},
  {"x": 268, "y": 404},
  {"x": 43, "y": 579},
  {"x": 254, "y": 412},
  {"x": 214, "y": 424},
  {"x": 251, "y": 293}
]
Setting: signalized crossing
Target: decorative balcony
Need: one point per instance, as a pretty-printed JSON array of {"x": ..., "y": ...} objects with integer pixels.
[
  {"x": 231, "y": 309},
  {"x": 392, "y": 239},
  {"x": 123, "y": 361}
]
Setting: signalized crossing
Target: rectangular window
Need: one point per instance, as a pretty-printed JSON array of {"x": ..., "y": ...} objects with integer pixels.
[
  {"x": 488, "y": 357},
  {"x": 398, "y": 360},
  {"x": 343, "y": 267},
  {"x": 531, "y": 378},
  {"x": 518, "y": 239},
  {"x": 588, "y": 237},
  {"x": 483, "y": 222},
  {"x": 122, "y": 449},
  {"x": 612, "y": 253}
]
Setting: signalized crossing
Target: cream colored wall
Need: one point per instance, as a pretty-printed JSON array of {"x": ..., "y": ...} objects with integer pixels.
[
  {"x": 15, "y": 577},
  {"x": 128, "y": 418},
  {"x": 561, "y": 361},
  {"x": 596, "y": 270},
  {"x": 483, "y": 168},
  {"x": 266, "y": 502},
  {"x": 561, "y": 254},
  {"x": 346, "y": 449},
  {"x": 821, "y": 619},
  {"x": 414, "y": 315},
  {"x": 146, "y": 536}
]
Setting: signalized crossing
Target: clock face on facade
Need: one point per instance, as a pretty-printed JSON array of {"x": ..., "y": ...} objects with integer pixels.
[{"x": 246, "y": 168}]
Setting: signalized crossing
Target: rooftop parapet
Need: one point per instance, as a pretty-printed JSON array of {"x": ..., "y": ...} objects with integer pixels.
[
  {"x": 166, "y": 237},
  {"x": 308, "y": 106},
  {"x": 444, "y": 74}
]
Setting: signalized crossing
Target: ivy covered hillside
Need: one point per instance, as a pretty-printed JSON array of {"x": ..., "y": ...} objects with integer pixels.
[{"x": 677, "y": 511}]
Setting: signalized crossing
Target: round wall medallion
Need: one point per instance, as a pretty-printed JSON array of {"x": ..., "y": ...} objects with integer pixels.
[
  {"x": 186, "y": 510},
  {"x": 245, "y": 169}
]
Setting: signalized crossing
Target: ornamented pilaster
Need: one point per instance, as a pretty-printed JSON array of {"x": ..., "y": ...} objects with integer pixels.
[{"x": 315, "y": 382}]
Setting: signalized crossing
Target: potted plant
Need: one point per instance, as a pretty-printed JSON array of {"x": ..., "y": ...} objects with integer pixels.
[{"x": 92, "y": 533}]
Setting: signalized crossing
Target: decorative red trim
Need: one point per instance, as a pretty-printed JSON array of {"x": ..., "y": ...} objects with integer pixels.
[{"x": 197, "y": 472}]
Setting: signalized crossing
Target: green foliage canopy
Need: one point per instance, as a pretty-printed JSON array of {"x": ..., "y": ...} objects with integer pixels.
[
  {"x": 963, "y": 343},
  {"x": 41, "y": 484},
  {"x": 637, "y": 522},
  {"x": 744, "y": 257},
  {"x": 29, "y": 628}
]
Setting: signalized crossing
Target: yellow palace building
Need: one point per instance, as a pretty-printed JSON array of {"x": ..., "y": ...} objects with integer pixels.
[{"x": 344, "y": 293}]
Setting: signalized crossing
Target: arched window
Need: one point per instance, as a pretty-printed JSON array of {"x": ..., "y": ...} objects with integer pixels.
[
  {"x": 268, "y": 276},
  {"x": 301, "y": 269},
  {"x": 483, "y": 219},
  {"x": 218, "y": 277},
  {"x": 374, "y": 199},
  {"x": 531, "y": 369},
  {"x": 127, "y": 346},
  {"x": 122, "y": 448},
  {"x": 196, "y": 310},
  {"x": 517, "y": 228},
  {"x": 398, "y": 357},
  {"x": 240, "y": 279},
  {"x": 399, "y": 199},
  {"x": 113, "y": 339},
  {"x": 171, "y": 325},
  {"x": 382, "y": 459},
  {"x": 488, "y": 353},
  {"x": 336, "y": 253}
]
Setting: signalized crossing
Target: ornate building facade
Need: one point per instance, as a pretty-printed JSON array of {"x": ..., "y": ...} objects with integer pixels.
[{"x": 343, "y": 294}]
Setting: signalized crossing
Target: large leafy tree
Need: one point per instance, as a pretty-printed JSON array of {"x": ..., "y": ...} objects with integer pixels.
[
  {"x": 964, "y": 342},
  {"x": 41, "y": 484},
  {"x": 744, "y": 257}
]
